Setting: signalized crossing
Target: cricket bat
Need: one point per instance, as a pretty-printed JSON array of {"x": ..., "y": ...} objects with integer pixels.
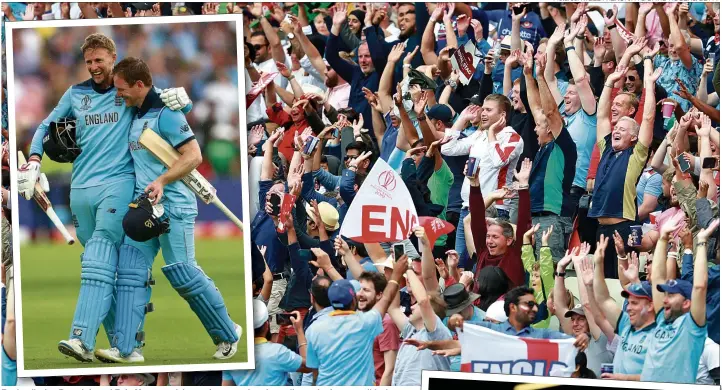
[
  {"x": 166, "y": 154},
  {"x": 42, "y": 200}
]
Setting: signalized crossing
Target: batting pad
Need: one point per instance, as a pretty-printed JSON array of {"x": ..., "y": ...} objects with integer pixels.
[
  {"x": 204, "y": 299},
  {"x": 97, "y": 280},
  {"x": 133, "y": 298}
]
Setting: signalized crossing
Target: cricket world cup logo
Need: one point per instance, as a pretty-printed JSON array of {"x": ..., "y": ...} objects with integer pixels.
[
  {"x": 387, "y": 180},
  {"x": 85, "y": 103}
]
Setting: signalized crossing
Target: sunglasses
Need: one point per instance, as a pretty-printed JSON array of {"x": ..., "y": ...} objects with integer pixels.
[
  {"x": 348, "y": 157},
  {"x": 258, "y": 47},
  {"x": 631, "y": 78},
  {"x": 529, "y": 304}
]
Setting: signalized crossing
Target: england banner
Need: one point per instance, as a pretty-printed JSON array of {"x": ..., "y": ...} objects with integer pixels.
[
  {"x": 486, "y": 351},
  {"x": 382, "y": 210},
  {"x": 465, "y": 61}
]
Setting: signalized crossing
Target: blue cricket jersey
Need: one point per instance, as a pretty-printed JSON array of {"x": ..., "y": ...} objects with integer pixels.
[
  {"x": 174, "y": 129},
  {"x": 103, "y": 121},
  {"x": 631, "y": 351},
  {"x": 674, "y": 351}
]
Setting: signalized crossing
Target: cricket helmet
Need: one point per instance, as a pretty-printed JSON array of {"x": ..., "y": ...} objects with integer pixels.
[
  {"x": 60, "y": 143},
  {"x": 144, "y": 220}
]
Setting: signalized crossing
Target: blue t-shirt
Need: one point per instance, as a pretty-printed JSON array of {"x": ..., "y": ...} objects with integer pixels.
[
  {"x": 632, "y": 349},
  {"x": 273, "y": 363},
  {"x": 172, "y": 127},
  {"x": 649, "y": 183},
  {"x": 388, "y": 142},
  {"x": 583, "y": 129},
  {"x": 9, "y": 370},
  {"x": 340, "y": 346},
  {"x": 674, "y": 351}
]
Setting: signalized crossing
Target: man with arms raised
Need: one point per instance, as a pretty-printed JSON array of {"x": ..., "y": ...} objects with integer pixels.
[
  {"x": 675, "y": 349},
  {"x": 624, "y": 151}
]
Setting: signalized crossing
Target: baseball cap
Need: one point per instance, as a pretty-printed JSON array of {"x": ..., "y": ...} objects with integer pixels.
[
  {"x": 260, "y": 314},
  {"x": 576, "y": 310},
  {"x": 677, "y": 286},
  {"x": 475, "y": 100},
  {"x": 341, "y": 294},
  {"x": 639, "y": 290},
  {"x": 440, "y": 112}
]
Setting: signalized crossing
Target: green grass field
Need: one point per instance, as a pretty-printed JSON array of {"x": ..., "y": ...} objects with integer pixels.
[{"x": 174, "y": 335}]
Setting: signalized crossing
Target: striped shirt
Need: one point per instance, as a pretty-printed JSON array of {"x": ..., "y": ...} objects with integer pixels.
[{"x": 497, "y": 160}]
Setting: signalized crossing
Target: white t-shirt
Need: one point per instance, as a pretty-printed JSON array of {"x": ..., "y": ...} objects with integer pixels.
[{"x": 709, "y": 361}]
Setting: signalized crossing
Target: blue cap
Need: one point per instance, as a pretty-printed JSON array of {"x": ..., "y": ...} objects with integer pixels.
[
  {"x": 677, "y": 286},
  {"x": 440, "y": 112},
  {"x": 639, "y": 290},
  {"x": 341, "y": 294}
]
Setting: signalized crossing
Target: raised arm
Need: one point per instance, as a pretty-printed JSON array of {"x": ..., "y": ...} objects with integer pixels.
[
  {"x": 274, "y": 42},
  {"x": 659, "y": 271},
  {"x": 699, "y": 285},
  {"x": 650, "y": 104},
  {"x": 604, "y": 126},
  {"x": 428, "y": 39},
  {"x": 392, "y": 288},
  {"x": 589, "y": 302},
  {"x": 548, "y": 103},
  {"x": 675, "y": 38},
  {"x": 581, "y": 79},
  {"x": 423, "y": 300},
  {"x": 428, "y": 267}
]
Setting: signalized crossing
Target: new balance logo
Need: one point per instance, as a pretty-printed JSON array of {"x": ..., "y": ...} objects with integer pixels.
[
  {"x": 226, "y": 350},
  {"x": 112, "y": 211},
  {"x": 185, "y": 128},
  {"x": 77, "y": 332}
]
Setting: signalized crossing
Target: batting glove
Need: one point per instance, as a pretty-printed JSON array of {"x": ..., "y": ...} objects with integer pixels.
[
  {"x": 27, "y": 177},
  {"x": 175, "y": 98}
]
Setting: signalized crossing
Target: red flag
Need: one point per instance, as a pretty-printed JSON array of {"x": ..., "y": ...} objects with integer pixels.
[
  {"x": 262, "y": 83},
  {"x": 287, "y": 204},
  {"x": 435, "y": 227}
]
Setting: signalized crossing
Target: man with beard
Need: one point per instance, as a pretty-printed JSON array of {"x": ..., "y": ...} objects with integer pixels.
[
  {"x": 313, "y": 62},
  {"x": 674, "y": 352},
  {"x": 521, "y": 310},
  {"x": 633, "y": 324},
  {"x": 386, "y": 345},
  {"x": 363, "y": 75},
  {"x": 624, "y": 154},
  {"x": 410, "y": 16}
]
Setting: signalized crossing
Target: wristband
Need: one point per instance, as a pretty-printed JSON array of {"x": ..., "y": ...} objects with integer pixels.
[
  {"x": 609, "y": 86},
  {"x": 702, "y": 243},
  {"x": 566, "y": 49},
  {"x": 302, "y": 344},
  {"x": 560, "y": 274},
  {"x": 580, "y": 36},
  {"x": 522, "y": 187},
  {"x": 421, "y": 118},
  {"x": 672, "y": 254},
  {"x": 291, "y": 77},
  {"x": 407, "y": 66},
  {"x": 612, "y": 26},
  {"x": 647, "y": 58},
  {"x": 622, "y": 257}
]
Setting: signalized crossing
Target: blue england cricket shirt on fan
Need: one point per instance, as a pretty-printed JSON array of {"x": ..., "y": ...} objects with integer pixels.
[{"x": 630, "y": 353}]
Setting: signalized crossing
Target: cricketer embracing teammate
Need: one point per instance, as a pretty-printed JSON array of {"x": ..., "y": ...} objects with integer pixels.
[
  {"x": 102, "y": 186},
  {"x": 160, "y": 186}
]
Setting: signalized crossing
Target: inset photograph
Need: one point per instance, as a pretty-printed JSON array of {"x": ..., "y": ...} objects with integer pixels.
[{"x": 128, "y": 204}]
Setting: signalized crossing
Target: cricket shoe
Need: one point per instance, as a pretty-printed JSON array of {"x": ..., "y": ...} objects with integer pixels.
[
  {"x": 113, "y": 355},
  {"x": 75, "y": 349},
  {"x": 226, "y": 350}
]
